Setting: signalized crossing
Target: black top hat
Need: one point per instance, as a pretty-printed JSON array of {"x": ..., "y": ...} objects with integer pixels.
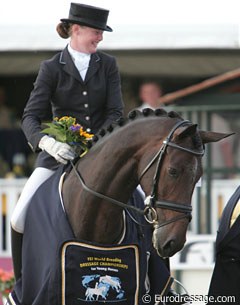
[{"x": 88, "y": 15}]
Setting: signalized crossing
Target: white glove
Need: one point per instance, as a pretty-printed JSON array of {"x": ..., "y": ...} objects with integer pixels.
[{"x": 62, "y": 152}]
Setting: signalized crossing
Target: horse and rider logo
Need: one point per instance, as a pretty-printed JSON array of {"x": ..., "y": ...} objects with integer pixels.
[{"x": 107, "y": 288}]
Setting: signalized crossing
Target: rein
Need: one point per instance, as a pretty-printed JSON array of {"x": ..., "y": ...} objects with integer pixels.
[
  {"x": 101, "y": 196},
  {"x": 151, "y": 203}
]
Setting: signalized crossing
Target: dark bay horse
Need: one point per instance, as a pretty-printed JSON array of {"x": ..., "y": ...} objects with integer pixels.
[{"x": 158, "y": 150}]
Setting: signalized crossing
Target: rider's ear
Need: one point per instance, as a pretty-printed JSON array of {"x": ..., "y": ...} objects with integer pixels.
[
  {"x": 210, "y": 136},
  {"x": 188, "y": 131}
]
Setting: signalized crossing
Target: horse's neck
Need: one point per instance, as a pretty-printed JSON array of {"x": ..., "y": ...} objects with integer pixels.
[{"x": 110, "y": 169}]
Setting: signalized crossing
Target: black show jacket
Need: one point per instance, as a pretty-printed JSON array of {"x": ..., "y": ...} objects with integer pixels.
[
  {"x": 226, "y": 274},
  {"x": 95, "y": 102}
]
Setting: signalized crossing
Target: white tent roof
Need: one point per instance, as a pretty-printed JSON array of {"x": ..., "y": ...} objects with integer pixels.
[
  {"x": 137, "y": 24},
  {"x": 175, "y": 30},
  {"x": 44, "y": 37}
]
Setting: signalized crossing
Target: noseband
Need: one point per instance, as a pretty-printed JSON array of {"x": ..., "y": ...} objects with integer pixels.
[{"x": 151, "y": 201}]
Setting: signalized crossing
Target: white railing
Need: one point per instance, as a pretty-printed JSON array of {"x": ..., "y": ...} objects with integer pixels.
[
  {"x": 10, "y": 190},
  {"x": 194, "y": 263},
  {"x": 221, "y": 191}
]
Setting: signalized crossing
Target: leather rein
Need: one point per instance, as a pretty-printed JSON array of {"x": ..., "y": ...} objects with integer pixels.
[{"x": 151, "y": 202}]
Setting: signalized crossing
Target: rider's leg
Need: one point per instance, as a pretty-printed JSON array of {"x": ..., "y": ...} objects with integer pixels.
[
  {"x": 16, "y": 243},
  {"x": 38, "y": 176}
]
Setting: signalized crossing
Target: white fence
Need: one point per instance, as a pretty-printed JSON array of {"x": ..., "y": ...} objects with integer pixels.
[
  {"x": 195, "y": 262},
  {"x": 10, "y": 190},
  {"x": 221, "y": 191}
]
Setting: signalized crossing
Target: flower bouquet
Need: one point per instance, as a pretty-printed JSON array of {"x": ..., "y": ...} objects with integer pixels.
[
  {"x": 7, "y": 281},
  {"x": 66, "y": 130}
]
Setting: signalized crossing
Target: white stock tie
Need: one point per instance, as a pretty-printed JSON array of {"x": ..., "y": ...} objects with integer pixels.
[{"x": 82, "y": 62}]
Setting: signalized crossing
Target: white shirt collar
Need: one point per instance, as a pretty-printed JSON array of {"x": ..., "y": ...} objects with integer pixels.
[
  {"x": 81, "y": 61},
  {"x": 77, "y": 55}
]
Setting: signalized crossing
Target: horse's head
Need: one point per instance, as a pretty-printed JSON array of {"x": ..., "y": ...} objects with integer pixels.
[
  {"x": 160, "y": 150},
  {"x": 169, "y": 179}
]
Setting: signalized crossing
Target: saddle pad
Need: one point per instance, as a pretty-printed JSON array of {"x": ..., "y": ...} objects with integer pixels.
[{"x": 95, "y": 274}]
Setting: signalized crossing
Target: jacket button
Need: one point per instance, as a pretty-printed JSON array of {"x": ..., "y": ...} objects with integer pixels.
[
  {"x": 86, "y": 105},
  {"x": 84, "y": 93},
  {"x": 87, "y": 118}
]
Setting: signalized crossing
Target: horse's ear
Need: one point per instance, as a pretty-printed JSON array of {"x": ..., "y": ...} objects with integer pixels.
[
  {"x": 187, "y": 132},
  {"x": 210, "y": 136}
]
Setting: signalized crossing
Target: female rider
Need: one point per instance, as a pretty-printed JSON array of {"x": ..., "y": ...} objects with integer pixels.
[{"x": 80, "y": 82}]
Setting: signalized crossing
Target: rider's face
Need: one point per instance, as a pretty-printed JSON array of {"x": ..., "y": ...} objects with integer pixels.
[{"x": 85, "y": 39}]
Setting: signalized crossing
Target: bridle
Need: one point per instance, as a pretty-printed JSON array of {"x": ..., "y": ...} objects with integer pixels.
[{"x": 151, "y": 202}]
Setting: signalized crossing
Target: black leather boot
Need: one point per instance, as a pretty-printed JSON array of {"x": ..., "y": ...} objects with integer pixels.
[{"x": 16, "y": 243}]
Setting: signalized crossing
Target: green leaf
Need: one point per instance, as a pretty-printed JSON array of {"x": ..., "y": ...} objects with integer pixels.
[
  {"x": 56, "y": 133},
  {"x": 49, "y": 124}
]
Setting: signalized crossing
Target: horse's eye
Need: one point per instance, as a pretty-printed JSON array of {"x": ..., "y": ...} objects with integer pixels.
[{"x": 173, "y": 172}]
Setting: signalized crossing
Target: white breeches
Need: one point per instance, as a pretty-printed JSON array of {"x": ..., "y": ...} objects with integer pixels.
[{"x": 39, "y": 175}]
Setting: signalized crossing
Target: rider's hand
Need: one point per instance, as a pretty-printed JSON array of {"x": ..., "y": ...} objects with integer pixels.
[{"x": 62, "y": 152}]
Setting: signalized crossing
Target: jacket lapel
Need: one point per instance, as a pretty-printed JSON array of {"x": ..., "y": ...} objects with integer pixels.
[
  {"x": 226, "y": 233},
  {"x": 231, "y": 234},
  {"x": 94, "y": 65},
  {"x": 68, "y": 65}
]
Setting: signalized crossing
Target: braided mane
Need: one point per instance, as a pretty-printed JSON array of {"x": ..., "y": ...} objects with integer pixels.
[{"x": 133, "y": 115}]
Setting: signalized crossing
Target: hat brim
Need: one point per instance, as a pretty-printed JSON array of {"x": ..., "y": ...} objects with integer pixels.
[{"x": 106, "y": 28}]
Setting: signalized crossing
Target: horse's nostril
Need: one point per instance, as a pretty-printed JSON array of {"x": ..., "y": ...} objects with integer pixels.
[{"x": 169, "y": 245}]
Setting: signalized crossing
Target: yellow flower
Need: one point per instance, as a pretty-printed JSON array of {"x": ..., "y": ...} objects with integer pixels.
[
  {"x": 85, "y": 134},
  {"x": 66, "y": 130},
  {"x": 63, "y": 118},
  {"x": 68, "y": 119}
]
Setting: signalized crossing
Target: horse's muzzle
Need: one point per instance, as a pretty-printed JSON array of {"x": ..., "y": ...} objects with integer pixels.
[{"x": 166, "y": 247}]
